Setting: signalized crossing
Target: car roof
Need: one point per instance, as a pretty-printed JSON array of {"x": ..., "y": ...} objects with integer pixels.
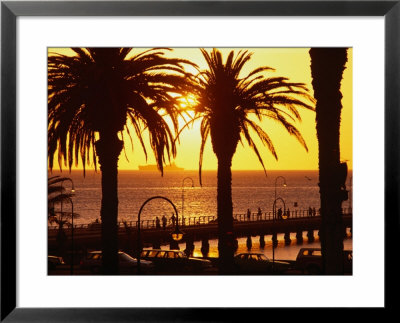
[
  {"x": 99, "y": 251},
  {"x": 250, "y": 253},
  {"x": 162, "y": 250},
  {"x": 320, "y": 249},
  {"x": 310, "y": 249}
]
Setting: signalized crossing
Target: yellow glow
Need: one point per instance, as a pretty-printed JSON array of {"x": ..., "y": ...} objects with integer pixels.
[
  {"x": 293, "y": 63},
  {"x": 187, "y": 102},
  {"x": 177, "y": 236}
]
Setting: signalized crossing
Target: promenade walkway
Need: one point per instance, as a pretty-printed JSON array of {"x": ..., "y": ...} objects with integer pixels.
[
  {"x": 203, "y": 228},
  {"x": 205, "y": 220}
]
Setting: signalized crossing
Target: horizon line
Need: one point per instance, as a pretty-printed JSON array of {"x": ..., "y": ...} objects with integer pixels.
[{"x": 177, "y": 171}]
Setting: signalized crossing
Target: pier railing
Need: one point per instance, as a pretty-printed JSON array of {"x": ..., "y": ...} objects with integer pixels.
[{"x": 207, "y": 220}]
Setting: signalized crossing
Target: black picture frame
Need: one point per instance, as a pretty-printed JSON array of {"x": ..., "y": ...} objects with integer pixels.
[{"x": 11, "y": 10}]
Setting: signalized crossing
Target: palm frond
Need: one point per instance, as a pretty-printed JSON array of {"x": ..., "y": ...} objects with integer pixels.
[
  {"x": 99, "y": 88},
  {"x": 226, "y": 99},
  {"x": 204, "y": 131}
]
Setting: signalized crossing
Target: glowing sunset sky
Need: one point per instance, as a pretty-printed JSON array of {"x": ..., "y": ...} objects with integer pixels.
[{"x": 293, "y": 63}]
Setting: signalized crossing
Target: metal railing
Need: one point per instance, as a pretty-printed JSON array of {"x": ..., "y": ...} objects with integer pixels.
[{"x": 205, "y": 220}]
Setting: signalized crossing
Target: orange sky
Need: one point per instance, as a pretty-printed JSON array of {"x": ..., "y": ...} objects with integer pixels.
[{"x": 293, "y": 63}]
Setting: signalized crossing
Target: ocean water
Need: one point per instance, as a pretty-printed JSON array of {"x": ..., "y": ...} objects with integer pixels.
[{"x": 250, "y": 190}]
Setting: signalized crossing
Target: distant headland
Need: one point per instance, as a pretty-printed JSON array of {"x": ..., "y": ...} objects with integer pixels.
[{"x": 171, "y": 167}]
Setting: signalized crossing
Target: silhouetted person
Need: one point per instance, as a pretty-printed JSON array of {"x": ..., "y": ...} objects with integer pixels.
[
  {"x": 259, "y": 213},
  {"x": 248, "y": 214},
  {"x": 158, "y": 226},
  {"x": 288, "y": 213},
  {"x": 314, "y": 211},
  {"x": 280, "y": 214},
  {"x": 164, "y": 221},
  {"x": 173, "y": 219},
  {"x": 310, "y": 211}
]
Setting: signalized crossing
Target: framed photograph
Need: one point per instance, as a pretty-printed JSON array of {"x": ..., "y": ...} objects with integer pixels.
[{"x": 36, "y": 35}]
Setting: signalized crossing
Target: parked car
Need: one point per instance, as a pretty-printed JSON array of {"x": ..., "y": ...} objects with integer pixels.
[
  {"x": 258, "y": 263},
  {"x": 127, "y": 264},
  {"x": 175, "y": 261},
  {"x": 54, "y": 261},
  {"x": 309, "y": 261}
]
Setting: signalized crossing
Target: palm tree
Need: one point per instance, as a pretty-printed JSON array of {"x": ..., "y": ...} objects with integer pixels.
[
  {"x": 92, "y": 97},
  {"x": 56, "y": 195},
  {"x": 327, "y": 66},
  {"x": 226, "y": 102}
]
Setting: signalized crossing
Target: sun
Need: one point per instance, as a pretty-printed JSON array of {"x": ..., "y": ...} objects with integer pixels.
[
  {"x": 188, "y": 105},
  {"x": 188, "y": 102}
]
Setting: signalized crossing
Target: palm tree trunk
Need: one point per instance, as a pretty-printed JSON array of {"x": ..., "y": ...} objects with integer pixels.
[
  {"x": 225, "y": 215},
  {"x": 327, "y": 65},
  {"x": 108, "y": 149}
]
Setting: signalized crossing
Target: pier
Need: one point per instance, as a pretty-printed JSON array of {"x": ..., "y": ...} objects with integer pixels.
[{"x": 203, "y": 228}]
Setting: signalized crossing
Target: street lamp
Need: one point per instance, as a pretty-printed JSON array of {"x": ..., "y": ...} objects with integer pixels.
[
  {"x": 273, "y": 207},
  {"x": 276, "y": 181},
  {"x": 183, "y": 187},
  {"x": 176, "y": 234},
  {"x": 273, "y": 224},
  {"x": 72, "y": 234},
  {"x": 72, "y": 217},
  {"x": 62, "y": 189}
]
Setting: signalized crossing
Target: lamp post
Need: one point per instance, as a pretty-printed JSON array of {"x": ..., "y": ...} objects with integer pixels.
[
  {"x": 176, "y": 234},
  {"x": 273, "y": 207},
  {"x": 62, "y": 189},
  {"x": 276, "y": 181},
  {"x": 72, "y": 217},
  {"x": 183, "y": 196},
  {"x": 273, "y": 224},
  {"x": 72, "y": 234}
]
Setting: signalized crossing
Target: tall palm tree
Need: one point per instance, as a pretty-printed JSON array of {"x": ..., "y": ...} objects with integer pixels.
[
  {"x": 226, "y": 102},
  {"x": 92, "y": 96},
  {"x": 327, "y": 66}
]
